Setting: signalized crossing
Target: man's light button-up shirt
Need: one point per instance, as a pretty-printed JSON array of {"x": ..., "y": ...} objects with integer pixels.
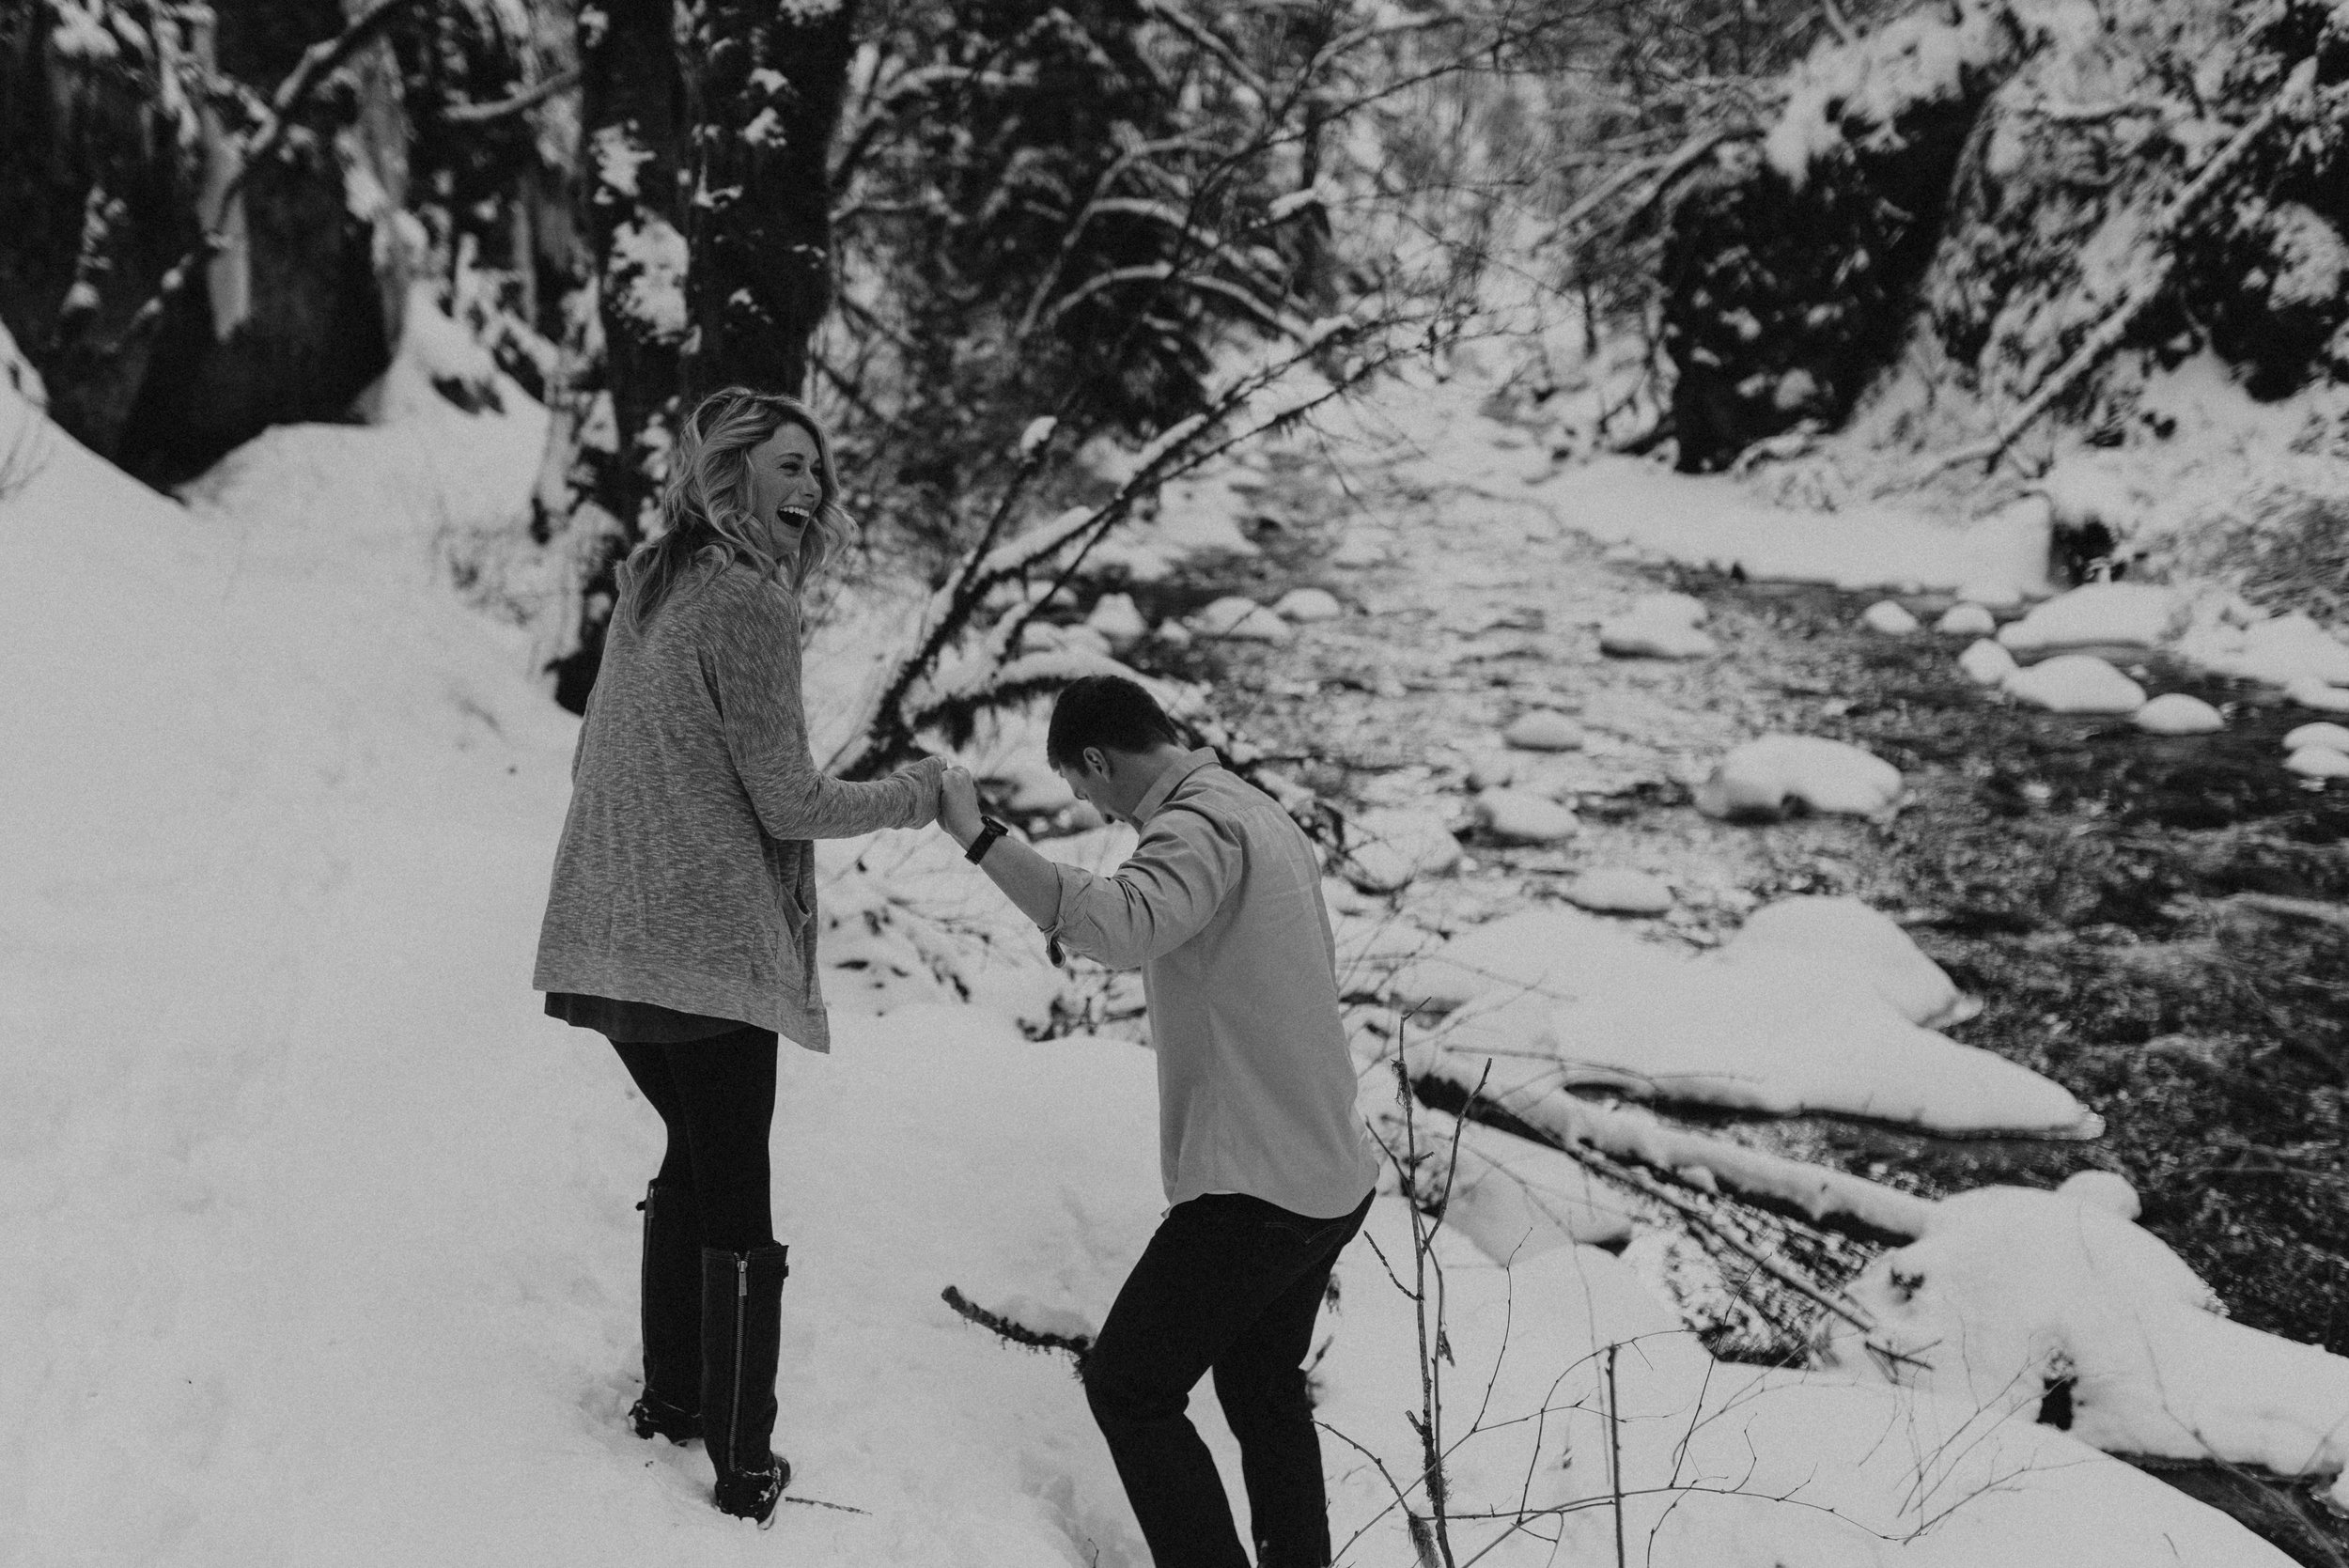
[{"x": 1219, "y": 907}]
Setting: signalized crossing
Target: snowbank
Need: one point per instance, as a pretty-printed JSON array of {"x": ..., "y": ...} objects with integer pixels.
[
  {"x": 333, "y": 1238},
  {"x": 1817, "y": 1010},
  {"x": 2014, "y": 1298},
  {"x": 1569, "y": 1386}
]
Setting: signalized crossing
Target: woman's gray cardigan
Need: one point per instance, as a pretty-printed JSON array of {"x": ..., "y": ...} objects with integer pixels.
[{"x": 685, "y": 875}]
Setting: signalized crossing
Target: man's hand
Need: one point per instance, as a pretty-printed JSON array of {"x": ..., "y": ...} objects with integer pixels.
[{"x": 959, "y": 805}]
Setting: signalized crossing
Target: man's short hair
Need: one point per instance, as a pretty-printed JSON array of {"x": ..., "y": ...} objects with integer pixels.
[{"x": 1108, "y": 711}]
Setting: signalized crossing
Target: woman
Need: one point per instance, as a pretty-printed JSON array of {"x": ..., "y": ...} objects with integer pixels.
[{"x": 681, "y": 922}]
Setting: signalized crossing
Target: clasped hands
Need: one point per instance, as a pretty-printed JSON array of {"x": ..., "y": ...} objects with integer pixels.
[{"x": 949, "y": 797}]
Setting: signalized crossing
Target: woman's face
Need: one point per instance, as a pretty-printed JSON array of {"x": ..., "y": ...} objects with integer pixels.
[{"x": 786, "y": 488}]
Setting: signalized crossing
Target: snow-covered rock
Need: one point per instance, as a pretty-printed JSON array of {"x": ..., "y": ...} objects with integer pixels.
[
  {"x": 1027, "y": 785},
  {"x": 1039, "y": 637},
  {"x": 1390, "y": 847},
  {"x": 1846, "y": 944},
  {"x": 1658, "y": 626},
  {"x": 2312, "y": 692},
  {"x": 1672, "y": 609},
  {"x": 437, "y": 366},
  {"x": 1519, "y": 817},
  {"x": 2106, "y": 1189},
  {"x": 1544, "y": 730},
  {"x": 2278, "y": 650},
  {"x": 1772, "y": 1038},
  {"x": 1492, "y": 769},
  {"x": 1619, "y": 891},
  {"x": 2177, "y": 713},
  {"x": 2011, "y": 1294},
  {"x": 1116, "y": 617},
  {"x": 2319, "y": 762},
  {"x": 1987, "y": 664},
  {"x": 2118, "y": 620},
  {"x": 1241, "y": 620},
  {"x": 1888, "y": 616},
  {"x": 2076, "y": 683},
  {"x": 1357, "y": 550},
  {"x": 1304, "y": 606},
  {"x": 1555, "y": 953},
  {"x": 2323, "y": 733},
  {"x": 1625, "y": 637},
  {"x": 1764, "y": 779},
  {"x": 1966, "y": 620}
]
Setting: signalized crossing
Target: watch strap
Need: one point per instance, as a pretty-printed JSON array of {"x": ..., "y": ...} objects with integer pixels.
[{"x": 990, "y": 831}]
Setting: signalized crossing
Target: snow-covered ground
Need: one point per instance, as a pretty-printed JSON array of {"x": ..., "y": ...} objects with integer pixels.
[{"x": 323, "y": 1237}]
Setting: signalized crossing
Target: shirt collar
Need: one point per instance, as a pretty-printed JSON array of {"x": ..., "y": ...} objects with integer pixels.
[{"x": 1192, "y": 761}]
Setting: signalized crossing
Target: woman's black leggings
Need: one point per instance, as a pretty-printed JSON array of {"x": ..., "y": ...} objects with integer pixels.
[{"x": 717, "y": 1098}]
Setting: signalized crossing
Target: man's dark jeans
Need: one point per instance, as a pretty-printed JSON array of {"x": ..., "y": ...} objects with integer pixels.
[{"x": 1229, "y": 1284}]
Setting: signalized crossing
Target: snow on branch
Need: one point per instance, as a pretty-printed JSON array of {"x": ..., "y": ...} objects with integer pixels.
[
  {"x": 893, "y": 713},
  {"x": 1166, "y": 272},
  {"x": 1695, "y": 1161},
  {"x": 319, "y": 62},
  {"x": 2299, "y": 91},
  {"x": 1076, "y": 1346}
]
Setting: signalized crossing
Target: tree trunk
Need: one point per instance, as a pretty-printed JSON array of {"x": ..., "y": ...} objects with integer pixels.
[
  {"x": 766, "y": 81},
  {"x": 708, "y": 209}
]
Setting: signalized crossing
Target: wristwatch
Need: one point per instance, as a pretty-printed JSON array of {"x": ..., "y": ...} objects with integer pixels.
[{"x": 990, "y": 831}]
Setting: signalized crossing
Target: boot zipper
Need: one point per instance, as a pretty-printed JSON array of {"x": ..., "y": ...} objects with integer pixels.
[
  {"x": 742, "y": 1310},
  {"x": 643, "y": 1286}
]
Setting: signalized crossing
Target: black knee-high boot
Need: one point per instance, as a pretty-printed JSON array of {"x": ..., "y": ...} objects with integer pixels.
[
  {"x": 671, "y": 1292},
  {"x": 741, "y": 1333}
]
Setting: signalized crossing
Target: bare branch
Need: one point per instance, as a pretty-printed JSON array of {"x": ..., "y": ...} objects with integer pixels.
[{"x": 529, "y": 98}]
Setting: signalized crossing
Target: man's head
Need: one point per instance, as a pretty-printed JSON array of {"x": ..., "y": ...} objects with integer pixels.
[{"x": 1110, "y": 740}]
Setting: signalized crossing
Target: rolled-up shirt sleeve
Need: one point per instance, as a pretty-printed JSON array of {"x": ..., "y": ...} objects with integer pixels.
[{"x": 1162, "y": 897}]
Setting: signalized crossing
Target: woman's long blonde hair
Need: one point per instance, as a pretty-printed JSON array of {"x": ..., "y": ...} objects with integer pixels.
[{"x": 705, "y": 505}]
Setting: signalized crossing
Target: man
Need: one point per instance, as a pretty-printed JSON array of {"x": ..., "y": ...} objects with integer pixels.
[{"x": 1267, "y": 1166}]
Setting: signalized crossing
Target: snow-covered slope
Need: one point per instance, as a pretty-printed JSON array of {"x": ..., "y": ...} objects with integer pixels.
[{"x": 321, "y": 1239}]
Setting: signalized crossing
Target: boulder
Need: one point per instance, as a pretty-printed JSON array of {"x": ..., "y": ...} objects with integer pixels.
[
  {"x": 1390, "y": 847},
  {"x": 1619, "y": 891},
  {"x": 1359, "y": 549},
  {"x": 1843, "y": 943},
  {"x": 2108, "y": 1190},
  {"x": 1493, "y": 769},
  {"x": 2325, "y": 697},
  {"x": 1888, "y": 616},
  {"x": 1764, "y": 779},
  {"x": 1630, "y": 636},
  {"x": 1672, "y": 609},
  {"x": 2176, "y": 713},
  {"x": 1306, "y": 605},
  {"x": 1987, "y": 664},
  {"x": 1966, "y": 620},
  {"x": 2319, "y": 762},
  {"x": 1516, "y": 816},
  {"x": 2076, "y": 683},
  {"x": 2330, "y": 735},
  {"x": 1544, "y": 730},
  {"x": 1552, "y": 951},
  {"x": 2115, "y": 620},
  {"x": 1116, "y": 617}
]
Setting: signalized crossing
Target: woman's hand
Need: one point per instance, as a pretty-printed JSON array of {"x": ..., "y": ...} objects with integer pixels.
[
  {"x": 959, "y": 805},
  {"x": 925, "y": 774}
]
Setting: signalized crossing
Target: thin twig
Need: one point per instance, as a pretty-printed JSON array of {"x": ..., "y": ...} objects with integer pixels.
[{"x": 529, "y": 97}]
